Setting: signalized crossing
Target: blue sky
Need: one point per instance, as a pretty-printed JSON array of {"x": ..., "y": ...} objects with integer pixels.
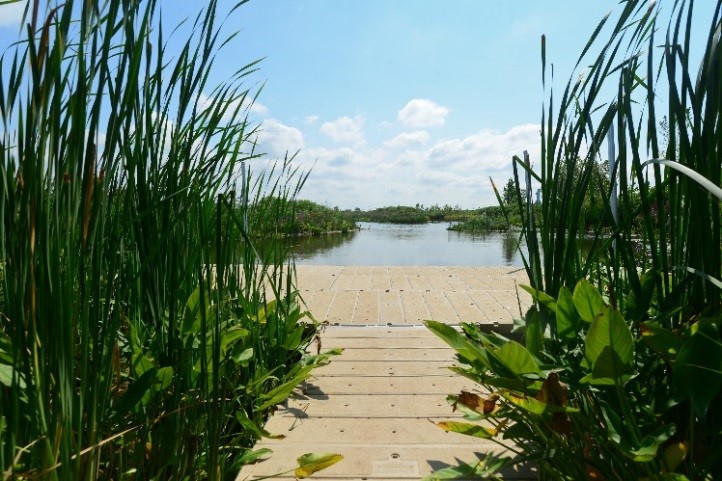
[{"x": 398, "y": 101}]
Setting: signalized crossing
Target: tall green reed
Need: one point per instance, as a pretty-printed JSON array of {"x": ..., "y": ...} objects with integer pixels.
[
  {"x": 621, "y": 379},
  {"x": 139, "y": 335}
]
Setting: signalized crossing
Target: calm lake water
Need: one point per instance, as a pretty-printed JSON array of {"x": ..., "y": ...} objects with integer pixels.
[{"x": 409, "y": 245}]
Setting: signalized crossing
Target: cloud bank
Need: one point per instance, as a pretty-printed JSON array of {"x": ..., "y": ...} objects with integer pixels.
[
  {"x": 419, "y": 113},
  {"x": 350, "y": 169}
]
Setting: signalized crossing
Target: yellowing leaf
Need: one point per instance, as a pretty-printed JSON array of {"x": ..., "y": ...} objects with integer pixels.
[
  {"x": 478, "y": 403},
  {"x": 473, "y": 430},
  {"x": 310, "y": 463},
  {"x": 674, "y": 454},
  {"x": 535, "y": 406}
]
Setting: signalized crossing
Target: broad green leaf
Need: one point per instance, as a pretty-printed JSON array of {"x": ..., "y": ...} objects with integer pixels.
[
  {"x": 6, "y": 376},
  {"x": 517, "y": 358},
  {"x": 137, "y": 391},
  {"x": 541, "y": 297},
  {"x": 252, "y": 456},
  {"x": 231, "y": 336},
  {"x": 567, "y": 316},
  {"x": 662, "y": 340},
  {"x": 646, "y": 452},
  {"x": 469, "y": 352},
  {"x": 251, "y": 426},
  {"x": 534, "y": 332},
  {"x": 163, "y": 379},
  {"x": 482, "y": 468},
  {"x": 534, "y": 406},
  {"x": 243, "y": 356},
  {"x": 587, "y": 300},
  {"x": 191, "y": 319},
  {"x": 6, "y": 347},
  {"x": 674, "y": 454},
  {"x": 609, "y": 345},
  {"x": 313, "y": 462},
  {"x": 468, "y": 429},
  {"x": 280, "y": 393},
  {"x": 698, "y": 368},
  {"x": 636, "y": 306}
]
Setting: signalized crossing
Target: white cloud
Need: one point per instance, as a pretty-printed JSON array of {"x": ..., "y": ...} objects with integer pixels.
[
  {"x": 419, "y": 113},
  {"x": 258, "y": 108},
  {"x": 345, "y": 130},
  {"x": 446, "y": 171},
  {"x": 311, "y": 119},
  {"x": 11, "y": 13},
  {"x": 487, "y": 149},
  {"x": 417, "y": 137},
  {"x": 276, "y": 138}
]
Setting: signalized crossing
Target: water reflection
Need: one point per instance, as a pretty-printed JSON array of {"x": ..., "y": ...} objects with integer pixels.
[
  {"x": 510, "y": 243},
  {"x": 308, "y": 247},
  {"x": 421, "y": 245}
]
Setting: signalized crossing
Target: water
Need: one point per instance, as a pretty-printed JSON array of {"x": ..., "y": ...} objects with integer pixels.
[{"x": 409, "y": 245}]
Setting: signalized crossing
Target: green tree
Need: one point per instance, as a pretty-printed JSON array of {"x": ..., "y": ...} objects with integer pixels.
[{"x": 510, "y": 191}]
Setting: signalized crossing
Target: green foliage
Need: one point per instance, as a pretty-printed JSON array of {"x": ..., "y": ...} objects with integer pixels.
[
  {"x": 394, "y": 215},
  {"x": 601, "y": 405},
  {"x": 487, "y": 219},
  {"x": 142, "y": 333},
  {"x": 510, "y": 191},
  {"x": 303, "y": 218},
  {"x": 626, "y": 332}
]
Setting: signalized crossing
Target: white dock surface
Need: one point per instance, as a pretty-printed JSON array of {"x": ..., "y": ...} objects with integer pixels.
[{"x": 374, "y": 403}]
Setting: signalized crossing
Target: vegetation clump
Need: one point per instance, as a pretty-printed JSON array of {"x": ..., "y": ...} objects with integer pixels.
[
  {"x": 400, "y": 214},
  {"x": 142, "y": 333},
  {"x": 619, "y": 373},
  {"x": 303, "y": 218}
]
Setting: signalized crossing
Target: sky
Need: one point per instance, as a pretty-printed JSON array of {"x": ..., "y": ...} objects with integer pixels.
[{"x": 397, "y": 102}]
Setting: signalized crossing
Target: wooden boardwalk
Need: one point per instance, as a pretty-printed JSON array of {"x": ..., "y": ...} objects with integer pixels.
[
  {"x": 373, "y": 403},
  {"x": 373, "y": 296}
]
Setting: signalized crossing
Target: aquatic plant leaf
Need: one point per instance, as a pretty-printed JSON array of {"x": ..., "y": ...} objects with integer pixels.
[
  {"x": 534, "y": 332},
  {"x": 6, "y": 376},
  {"x": 468, "y": 429},
  {"x": 647, "y": 450},
  {"x": 136, "y": 392},
  {"x": 251, "y": 426},
  {"x": 555, "y": 393},
  {"x": 231, "y": 336},
  {"x": 665, "y": 342},
  {"x": 541, "y": 297},
  {"x": 517, "y": 358},
  {"x": 485, "y": 467},
  {"x": 609, "y": 345},
  {"x": 252, "y": 456},
  {"x": 674, "y": 454},
  {"x": 243, "y": 356},
  {"x": 534, "y": 406},
  {"x": 163, "y": 379},
  {"x": 281, "y": 392},
  {"x": 311, "y": 463},
  {"x": 567, "y": 316},
  {"x": 477, "y": 403},
  {"x": 470, "y": 352},
  {"x": 191, "y": 314},
  {"x": 587, "y": 300},
  {"x": 636, "y": 306},
  {"x": 697, "y": 373}
]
